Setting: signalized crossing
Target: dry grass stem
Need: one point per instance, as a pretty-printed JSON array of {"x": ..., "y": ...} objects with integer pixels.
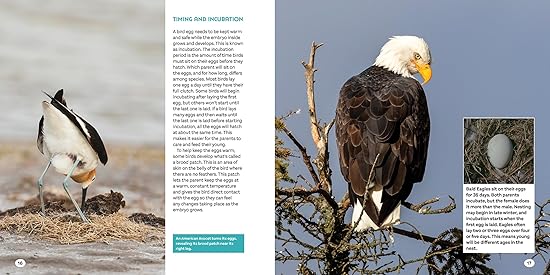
[{"x": 101, "y": 229}]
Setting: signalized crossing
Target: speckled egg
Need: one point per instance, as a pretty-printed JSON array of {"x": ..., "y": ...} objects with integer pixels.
[{"x": 500, "y": 150}]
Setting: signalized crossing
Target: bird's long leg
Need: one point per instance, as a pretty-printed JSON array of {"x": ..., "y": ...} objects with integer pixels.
[
  {"x": 66, "y": 187},
  {"x": 40, "y": 184},
  {"x": 84, "y": 199}
]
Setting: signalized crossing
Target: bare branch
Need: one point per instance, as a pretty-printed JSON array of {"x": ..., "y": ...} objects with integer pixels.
[
  {"x": 328, "y": 127},
  {"x": 305, "y": 156},
  {"x": 302, "y": 192},
  {"x": 424, "y": 209},
  {"x": 310, "y": 80},
  {"x": 414, "y": 235},
  {"x": 319, "y": 134}
]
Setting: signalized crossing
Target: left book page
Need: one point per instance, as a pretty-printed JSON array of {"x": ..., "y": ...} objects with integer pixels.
[
  {"x": 153, "y": 153},
  {"x": 219, "y": 104},
  {"x": 103, "y": 64}
]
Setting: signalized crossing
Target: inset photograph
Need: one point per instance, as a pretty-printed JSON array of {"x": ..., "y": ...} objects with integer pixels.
[{"x": 499, "y": 150}]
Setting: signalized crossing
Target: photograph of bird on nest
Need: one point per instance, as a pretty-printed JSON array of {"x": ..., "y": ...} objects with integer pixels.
[
  {"x": 72, "y": 145},
  {"x": 82, "y": 142}
]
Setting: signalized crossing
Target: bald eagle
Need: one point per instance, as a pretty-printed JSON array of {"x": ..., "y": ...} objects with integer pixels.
[{"x": 383, "y": 125}]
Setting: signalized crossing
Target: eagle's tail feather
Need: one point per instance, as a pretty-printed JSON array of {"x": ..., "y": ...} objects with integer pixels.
[{"x": 365, "y": 222}]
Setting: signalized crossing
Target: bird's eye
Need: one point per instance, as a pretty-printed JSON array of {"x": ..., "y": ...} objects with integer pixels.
[{"x": 416, "y": 56}]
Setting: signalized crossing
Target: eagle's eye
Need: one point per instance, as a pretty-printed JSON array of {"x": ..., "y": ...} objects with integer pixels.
[{"x": 416, "y": 56}]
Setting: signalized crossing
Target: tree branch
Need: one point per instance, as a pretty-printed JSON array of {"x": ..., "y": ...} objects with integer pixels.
[
  {"x": 423, "y": 207},
  {"x": 319, "y": 134},
  {"x": 302, "y": 192},
  {"x": 310, "y": 91},
  {"x": 305, "y": 157}
]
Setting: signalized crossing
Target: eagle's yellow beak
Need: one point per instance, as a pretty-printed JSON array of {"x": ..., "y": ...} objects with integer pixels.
[{"x": 425, "y": 71}]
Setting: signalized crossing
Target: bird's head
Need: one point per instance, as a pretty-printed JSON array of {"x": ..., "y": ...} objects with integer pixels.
[
  {"x": 406, "y": 55},
  {"x": 84, "y": 179}
]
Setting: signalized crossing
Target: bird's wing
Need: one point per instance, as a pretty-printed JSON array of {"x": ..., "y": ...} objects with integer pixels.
[
  {"x": 87, "y": 130},
  {"x": 379, "y": 122},
  {"x": 59, "y": 97},
  {"x": 40, "y": 138},
  {"x": 95, "y": 140}
]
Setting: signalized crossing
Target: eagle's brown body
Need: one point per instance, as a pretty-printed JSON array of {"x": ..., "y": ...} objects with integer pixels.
[{"x": 381, "y": 113}]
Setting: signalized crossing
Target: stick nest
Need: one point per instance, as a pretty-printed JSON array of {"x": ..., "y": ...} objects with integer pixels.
[
  {"x": 62, "y": 225},
  {"x": 101, "y": 229}
]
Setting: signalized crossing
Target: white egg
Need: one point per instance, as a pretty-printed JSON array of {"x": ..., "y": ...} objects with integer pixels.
[{"x": 499, "y": 150}]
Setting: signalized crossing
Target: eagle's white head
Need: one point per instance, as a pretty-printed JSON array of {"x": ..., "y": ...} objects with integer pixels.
[{"x": 406, "y": 55}]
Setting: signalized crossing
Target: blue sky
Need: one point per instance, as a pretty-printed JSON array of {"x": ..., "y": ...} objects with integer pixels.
[{"x": 488, "y": 60}]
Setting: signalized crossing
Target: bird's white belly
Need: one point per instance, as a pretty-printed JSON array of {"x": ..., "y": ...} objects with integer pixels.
[{"x": 64, "y": 141}]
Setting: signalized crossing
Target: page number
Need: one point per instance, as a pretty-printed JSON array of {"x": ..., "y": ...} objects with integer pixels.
[
  {"x": 20, "y": 263},
  {"x": 529, "y": 263}
]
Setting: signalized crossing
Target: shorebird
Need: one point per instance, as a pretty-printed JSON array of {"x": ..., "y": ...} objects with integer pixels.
[{"x": 71, "y": 144}]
